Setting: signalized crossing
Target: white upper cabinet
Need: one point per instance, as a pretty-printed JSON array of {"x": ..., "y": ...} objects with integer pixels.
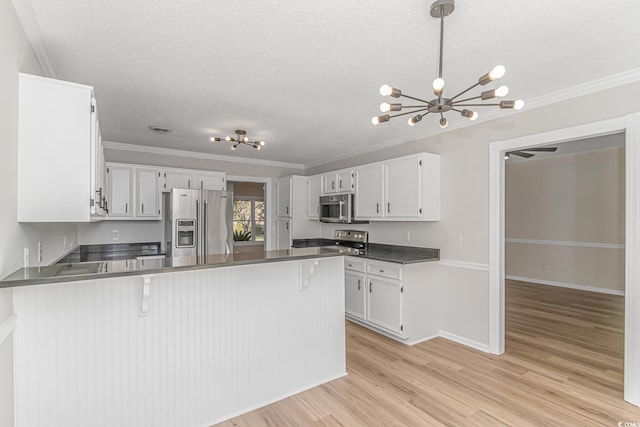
[
  {"x": 178, "y": 179},
  {"x": 314, "y": 189},
  {"x": 283, "y": 196},
  {"x": 120, "y": 191},
  {"x": 59, "y": 152},
  {"x": 369, "y": 199},
  {"x": 211, "y": 181},
  {"x": 338, "y": 182},
  {"x": 402, "y": 189},
  {"x": 148, "y": 193}
]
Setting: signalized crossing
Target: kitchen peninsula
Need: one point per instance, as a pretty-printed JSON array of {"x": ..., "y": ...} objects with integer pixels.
[{"x": 166, "y": 342}]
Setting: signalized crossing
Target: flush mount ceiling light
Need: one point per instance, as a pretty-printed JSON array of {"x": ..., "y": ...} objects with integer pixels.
[
  {"x": 441, "y": 104},
  {"x": 241, "y": 138}
]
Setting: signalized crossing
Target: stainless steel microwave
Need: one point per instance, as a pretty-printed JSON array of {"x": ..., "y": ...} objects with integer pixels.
[{"x": 338, "y": 208}]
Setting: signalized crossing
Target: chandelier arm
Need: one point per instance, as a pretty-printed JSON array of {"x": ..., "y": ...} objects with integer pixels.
[
  {"x": 475, "y": 105},
  {"x": 466, "y": 99},
  {"x": 409, "y": 112},
  {"x": 418, "y": 99},
  {"x": 464, "y": 91}
]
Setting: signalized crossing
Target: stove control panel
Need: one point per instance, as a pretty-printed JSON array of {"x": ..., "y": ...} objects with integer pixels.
[{"x": 351, "y": 236}]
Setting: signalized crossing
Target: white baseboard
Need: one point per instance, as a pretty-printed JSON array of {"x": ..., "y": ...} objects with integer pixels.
[
  {"x": 465, "y": 341},
  {"x": 7, "y": 327},
  {"x": 566, "y": 285}
]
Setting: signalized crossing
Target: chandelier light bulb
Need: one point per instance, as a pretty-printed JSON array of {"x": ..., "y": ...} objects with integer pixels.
[
  {"x": 443, "y": 122},
  {"x": 518, "y": 104},
  {"x": 438, "y": 85},
  {"x": 380, "y": 119},
  {"x": 246, "y": 139},
  {"x": 502, "y": 91},
  {"x": 497, "y": 72},
  {"x": 233, "y": 147},
  {"x": 413, "y": 120},
  {"x": 261, "y": 142},
  {"x": 229, "y": 138},
  {"x": 471, "y": 115},
  {"x": 212, "y": 139},
  {"x": 385, "y": 90},
  {"x": 257, "y": 147},
  {"x": 385, "y": 107}
]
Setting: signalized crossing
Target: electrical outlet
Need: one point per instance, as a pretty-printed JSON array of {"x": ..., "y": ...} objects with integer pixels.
[
  {"x": 115, "y": 234},
  {"x": 406, "y": 236},
  {"x": 40, "y": 249},
  {"x": 454, "y": 239},
  {"x": 26, "y": 258}
]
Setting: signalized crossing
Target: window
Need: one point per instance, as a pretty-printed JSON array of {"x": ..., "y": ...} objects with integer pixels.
[{"x": 248, "y": 219}]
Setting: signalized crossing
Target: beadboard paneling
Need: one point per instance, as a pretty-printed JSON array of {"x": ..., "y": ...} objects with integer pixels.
[{"x": 216, "y": 343}]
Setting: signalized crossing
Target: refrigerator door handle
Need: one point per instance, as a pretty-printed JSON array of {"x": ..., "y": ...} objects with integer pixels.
[
  {"x": 204, "y": 226},
  {"x": 197, "y": 242}
]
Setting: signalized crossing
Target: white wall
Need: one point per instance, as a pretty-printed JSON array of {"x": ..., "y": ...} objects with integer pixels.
[
  {"x": 564, "y": 220},
  {"x": 465, "y": 195},
  {"x": 16, "y": 55},
  {"x": 128, "y": 232}
]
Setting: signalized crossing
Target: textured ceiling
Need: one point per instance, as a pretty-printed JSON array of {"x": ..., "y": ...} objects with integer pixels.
[{"x": 304, "y": 76}]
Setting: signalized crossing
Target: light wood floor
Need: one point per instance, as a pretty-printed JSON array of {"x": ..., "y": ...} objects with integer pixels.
[{"x": 563, "y": 365}]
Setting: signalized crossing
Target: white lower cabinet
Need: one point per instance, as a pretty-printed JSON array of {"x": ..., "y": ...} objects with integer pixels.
[
  {"x": 398, "y": 300},
  {"x": 354, "y": 289},
  {"x": 385, "y": 304}
]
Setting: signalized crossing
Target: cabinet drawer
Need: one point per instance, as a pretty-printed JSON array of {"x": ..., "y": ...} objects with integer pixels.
[
  {"x": 385, "y": 270},
  {"x": 350, "y": 264}
]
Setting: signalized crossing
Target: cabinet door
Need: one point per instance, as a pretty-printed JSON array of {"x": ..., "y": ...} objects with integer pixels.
[
  {"x": 385, "y": 304},
  {"x": 329, "y": 183},
  {"x": 283, "y": 234},
  {"x": 369, "y": 198},
  {"x": 283, "y": 195},
  {"x": 147, "y": 193},
  {"x": 354, "y": 287},
  {"x": 402, "y": 188},
  {"x": 120, "y": 191},
  {"x": 211, "y": 181},
  {"x": 313, "y": 193},
  {"x": 346, "y": 181},
  {"x": 178, "y": 179}
]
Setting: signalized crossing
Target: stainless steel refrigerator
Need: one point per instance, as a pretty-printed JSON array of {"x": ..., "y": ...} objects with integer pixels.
[{"x": 198, "y": 222}]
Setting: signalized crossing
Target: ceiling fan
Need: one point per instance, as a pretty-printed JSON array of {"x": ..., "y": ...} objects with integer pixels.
[{"x": 524, "y": 152}]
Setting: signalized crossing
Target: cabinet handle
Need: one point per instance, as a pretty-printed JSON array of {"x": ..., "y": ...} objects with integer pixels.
[
  {"x": 350, "y": 265},
  {"x": 142, "y": 207},
  {"x": 377, "y": 207},
  {"x": 381, "y": 271},
  {"x": 189, "y": 183},
  {"x": 370, "y": 287},
  {"x": 341, "y": 184},
  {"x": 126, "y": 207},
  {"x": 287, "y": 210},
  {"x": 359, "y": 287},
  {"x": 333, "y": 185},
  {"x": 388, "y": 207},
  {"x": 287, "y": 225}
]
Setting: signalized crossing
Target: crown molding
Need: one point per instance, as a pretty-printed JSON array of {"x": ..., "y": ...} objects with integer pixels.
[
  {"x": 27, "y": 18},
  {"x": 119, "y": 146},
  {"x": 609, "y": 82}
]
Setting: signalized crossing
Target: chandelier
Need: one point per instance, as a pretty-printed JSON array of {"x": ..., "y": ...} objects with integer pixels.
[
  {"x": 441, "y": 104},
  {"x": 241, "y": 138}
]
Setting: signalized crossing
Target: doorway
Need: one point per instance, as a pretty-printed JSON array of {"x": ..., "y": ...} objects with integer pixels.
[
  {"x": 249, "y": 218},
  {"x": 630, "y": 125}
]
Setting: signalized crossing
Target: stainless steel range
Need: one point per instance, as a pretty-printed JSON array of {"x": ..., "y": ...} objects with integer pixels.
[{"x": 357, "y": 240}]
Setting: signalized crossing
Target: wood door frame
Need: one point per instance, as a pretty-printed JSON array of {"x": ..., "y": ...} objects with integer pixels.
[{"x": 630, "y": 125}]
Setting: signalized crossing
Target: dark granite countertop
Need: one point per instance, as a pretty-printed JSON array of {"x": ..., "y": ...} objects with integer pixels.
[
  {"x": 69, "y": 272},
  {"x": 381, "y": 252}
]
